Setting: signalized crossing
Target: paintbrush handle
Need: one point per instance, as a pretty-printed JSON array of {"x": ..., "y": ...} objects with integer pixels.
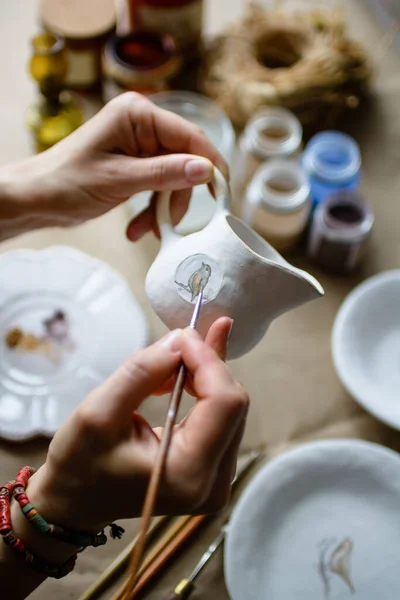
[
  {"x": 154, "y": 484},
  {"x": 118, "y": 564},
  {"x": 183, "y": 535}
]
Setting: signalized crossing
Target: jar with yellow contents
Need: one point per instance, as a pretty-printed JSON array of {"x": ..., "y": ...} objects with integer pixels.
[{"x": 55, "y": 115}]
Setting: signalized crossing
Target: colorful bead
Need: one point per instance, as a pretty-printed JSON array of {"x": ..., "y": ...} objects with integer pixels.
[
  {"x": 17, "y": 489},
  {"x": 35, "y": 562},
  {"x": 5, "y": 513},
  {"x": 82, "y": 540}
]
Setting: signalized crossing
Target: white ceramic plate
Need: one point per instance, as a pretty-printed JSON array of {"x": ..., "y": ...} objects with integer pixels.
[
  {"x": 366, "y": 345},
  {"x": 60, "y": 357},
  {"x": 319, "y": 522}
]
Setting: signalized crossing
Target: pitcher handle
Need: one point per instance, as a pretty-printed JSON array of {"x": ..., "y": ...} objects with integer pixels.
[{"x": 163, "y": 214}]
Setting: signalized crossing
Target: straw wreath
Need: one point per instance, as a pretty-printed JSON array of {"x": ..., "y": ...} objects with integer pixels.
[{"x": 303, "y": 60}]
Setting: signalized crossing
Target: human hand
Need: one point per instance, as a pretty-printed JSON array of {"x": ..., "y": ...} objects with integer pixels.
[
  {"x": 99, "y": 462},
  {"x": 130, "y": 146}
]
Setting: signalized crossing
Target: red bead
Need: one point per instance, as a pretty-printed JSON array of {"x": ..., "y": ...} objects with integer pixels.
[
  {"x": 7, "y": 488},
  {"x": 18, "y": 490},
  {"x": 5, "y": 517},
  {"x": 5, "y": 520},
  {"x": 23, "y": 500},
  {"x": 24, "y": 475}
]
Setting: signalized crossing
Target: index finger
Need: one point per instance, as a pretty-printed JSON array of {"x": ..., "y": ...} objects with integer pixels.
[
  {"x": 222, "y": 403},
  {"x": 141, "y": 374},
  {"x": 176, "y": 134}
]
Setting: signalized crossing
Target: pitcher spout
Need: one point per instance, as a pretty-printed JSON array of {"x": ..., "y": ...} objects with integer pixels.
[
  {"x": 294, "y": 288},
  {"x": 313, "y": 287}
]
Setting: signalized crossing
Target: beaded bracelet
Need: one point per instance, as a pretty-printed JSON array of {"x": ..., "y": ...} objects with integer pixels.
[
  {"x": 17, "y": 489},
  {"x": 83, "y": 540},
  {"x": 35, "y": 562}
]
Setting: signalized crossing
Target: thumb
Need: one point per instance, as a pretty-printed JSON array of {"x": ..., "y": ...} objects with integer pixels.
[{"x": 171, "y": 172}]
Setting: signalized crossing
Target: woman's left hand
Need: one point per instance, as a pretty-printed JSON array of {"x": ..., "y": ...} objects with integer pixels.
[{"x": 130, "y": 146}]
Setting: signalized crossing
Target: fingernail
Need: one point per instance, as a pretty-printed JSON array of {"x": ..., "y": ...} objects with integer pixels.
[
  {"x": 172, "y": 340},
  {"x": 230, "y": 330},
  {"x": 199, "y": 170}
]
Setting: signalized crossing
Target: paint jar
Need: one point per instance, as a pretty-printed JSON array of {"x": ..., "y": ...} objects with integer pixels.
[
  {"x": 140, "y": 61},
  {"x": 271, "y": 133},
  {"x": 218, "y": 128},
  {"x": 277, "y": 203},
  {"x": 182, "y": 19},
  {"x": 85, "y": 26},
  {"x": 332, "y": 161},
  {"x": 340, "y": 229},
  {"x": 55, "y": 115}
]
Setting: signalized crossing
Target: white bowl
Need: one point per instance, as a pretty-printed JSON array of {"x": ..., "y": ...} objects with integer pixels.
[
  {"x": 366, "y": 345},
  {"x": 320, "y": 522}
]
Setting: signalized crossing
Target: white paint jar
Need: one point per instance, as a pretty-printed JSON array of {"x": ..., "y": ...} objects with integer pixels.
[
  {"x": 278, "y": 204},
  {"x": 271, "y": 133}
]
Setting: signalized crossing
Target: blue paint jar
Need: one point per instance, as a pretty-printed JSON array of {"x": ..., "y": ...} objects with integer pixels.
[{"x": 332, "y": 162}]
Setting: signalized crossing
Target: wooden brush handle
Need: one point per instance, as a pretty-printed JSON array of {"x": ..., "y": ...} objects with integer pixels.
[
  {"x": 154, "y": 484},
  {"x": 164, "y": 556}
]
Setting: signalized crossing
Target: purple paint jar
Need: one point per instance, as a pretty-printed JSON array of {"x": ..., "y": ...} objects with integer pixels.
[{"x": 340, "y": 229}]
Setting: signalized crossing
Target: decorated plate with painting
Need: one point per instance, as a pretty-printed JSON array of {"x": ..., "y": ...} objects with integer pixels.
[
  {"x": 60, "y": 335},
  {"x": 320, "y": 522}
]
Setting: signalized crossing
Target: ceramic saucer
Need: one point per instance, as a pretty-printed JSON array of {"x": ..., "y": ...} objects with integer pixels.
[
  {"x": 319, "y": 522},
  {"x": 66, "y": 322},
  {"x": 366, "y": 345}
]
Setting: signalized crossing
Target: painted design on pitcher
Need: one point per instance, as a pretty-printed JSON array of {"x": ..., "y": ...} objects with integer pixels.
[
  {"x": 198, "y": 272},
  {"x": 334, "y": 559}
]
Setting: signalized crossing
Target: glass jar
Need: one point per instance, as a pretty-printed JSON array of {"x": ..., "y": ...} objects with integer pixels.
[
  {"x": 332, "y": 161},
  {"x": 140, "y": 61},
  {"x": 85, "y": 26},
  {"x": 183, "y": 19},
  {"x": 217, "y": 127},
  {"x": 48, "y": 63},
  {"x": 271, "y": 133},
  {"x": 277, "y": 203},
  {"x": 55, "y": 115},
  {"x": 340, "y": 230}
]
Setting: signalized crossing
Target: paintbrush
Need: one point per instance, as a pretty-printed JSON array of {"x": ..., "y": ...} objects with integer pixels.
[
  {"x": 182, "y": 536},
  {"x": 118, "y": 563},
  {"x": 186, "y": 585},
  {"x": 158, "y": 471},
  {"x": 163, "y": 549}
]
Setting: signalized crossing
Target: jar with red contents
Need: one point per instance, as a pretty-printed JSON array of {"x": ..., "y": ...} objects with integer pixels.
[
  {"x": 140, "y": 61},
  {"x": 183, "y": 19}
]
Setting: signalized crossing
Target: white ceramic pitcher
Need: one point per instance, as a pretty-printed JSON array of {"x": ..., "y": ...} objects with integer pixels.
[{"x": 242, "y": 276}]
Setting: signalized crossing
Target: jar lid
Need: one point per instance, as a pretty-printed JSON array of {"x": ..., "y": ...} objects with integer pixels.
[
  {"x": 140, "y": 57},
  {"x": 332, "y": 156},
  {"x": 78, "y": 19},
  {"x": 273, "y": 132},
  {"x": 280, "y": 185}
]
